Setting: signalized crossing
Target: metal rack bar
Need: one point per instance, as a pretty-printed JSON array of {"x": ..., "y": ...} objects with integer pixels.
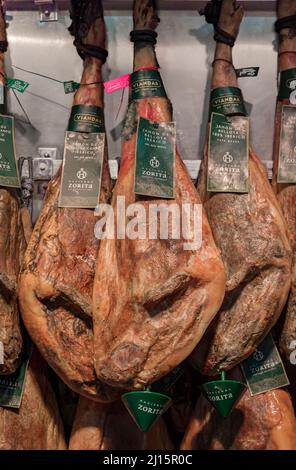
[{"x": 250, "y": 5}]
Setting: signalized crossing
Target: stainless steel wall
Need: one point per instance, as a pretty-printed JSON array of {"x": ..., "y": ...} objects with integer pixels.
[{"x": 185, "y": 51}]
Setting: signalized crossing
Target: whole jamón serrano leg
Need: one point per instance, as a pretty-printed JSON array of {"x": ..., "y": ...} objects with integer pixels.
[
  {"x": 37, "y": 424},
  {"x": 286, "y": 193},
  {"x": 108, "y": 426},
  {"x": 152, "y": 300},
  {"x": 263, "y": 422},
  {"x": 57, "y": 278},
  {"x": 12, "y": 248},
  {"x": 249, "y": 230}
]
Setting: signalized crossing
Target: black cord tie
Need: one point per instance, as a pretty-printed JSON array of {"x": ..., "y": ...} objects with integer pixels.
[
  {"x": 3, "y": 46},
  {"x": 212, "y": 14},
  {"x": 83, "y": 14},
  {"x": 222, "y": 36},
  {"x": 87, "y": 50},
  {"x": 284, "y": 23},
  {"x": 144, "y": 35}
]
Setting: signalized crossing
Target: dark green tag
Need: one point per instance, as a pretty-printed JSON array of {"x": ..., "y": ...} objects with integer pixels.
[
  {"x": 287, "y": 150},
  {"x": 155, "y": 159},
  {"x": 9, "y": 175},
  {"x": 18, "y": 85},
  {"x": 12, "y": 386},
  {"x": 86, "y": 119},
  {"x": 228, "y": 101},
  {"x": 228, "y": 157},
  {"x": 146, "y": 407},
  {"x": 223, "y": 394},
  {"x": 146, "y": 83},
  {"x": 264, "y": 369},
  {"x": 82, "y": 169},
  {"x": 287, "y": 89},
  {"x": 70, "y": 86},
  {"x": 247, "y": 72}
]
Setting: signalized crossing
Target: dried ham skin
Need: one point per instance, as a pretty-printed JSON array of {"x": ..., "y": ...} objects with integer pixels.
[
  {"x": 12, "y": 248},
  {"x": 263, "y": 422},
  {"x": 37, "y": 424},
  {"x": 153, "y": 300},
  {"x": 101, "y": 426}
]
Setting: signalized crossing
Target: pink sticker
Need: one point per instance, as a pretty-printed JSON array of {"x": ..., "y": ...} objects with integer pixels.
[{"x": 117, "y": 83}]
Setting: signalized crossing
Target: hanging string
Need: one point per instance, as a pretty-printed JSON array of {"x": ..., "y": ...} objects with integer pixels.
[
  {"x": 51, "y": 78},
  {"x": 38, "y": 74},
  {"x": 22, "y": 108}
]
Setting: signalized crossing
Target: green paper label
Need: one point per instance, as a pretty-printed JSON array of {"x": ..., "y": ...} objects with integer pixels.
[
  {"x": 82, "y": 170},
  {"x": 287, "y": 150},
  {"x": 247, "y": 72},
  {"x": 155, "y": 159},
  {"x": 228, "y": 154},
  {"x": 12, "y": 386},
  {"x": 146, "y": 407},
  {"x": 264, "y": 369},
  {"x": 228, "y": 101},
  {"x": 18, "y": 85},
  {"x": 1, "y": 94},
  {"x": 287, "y": 88},
  {"x": 86, "y": 119},
  {"x": 70, "y": 86},
  {"x": 146, "y": 83},
  {"x": 9, "y": 175},
  {"x": 223, "y": 394}
]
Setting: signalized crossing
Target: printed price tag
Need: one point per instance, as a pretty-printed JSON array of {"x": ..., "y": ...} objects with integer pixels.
[
  {"x": 227, "y": 100},
  {"x": 12, "y": 386},
  {"x": 155, "y": 159},
  {"x": 18, "y": 85},
  {"x": 287, "y": 150},
  {"x": 228, "y": 154},
  {"x": 82, "y": 169},
  {"x": 9, "y": 175},
  {"x": 264, "y": 369},
  {"x": 70, "y": 86}
]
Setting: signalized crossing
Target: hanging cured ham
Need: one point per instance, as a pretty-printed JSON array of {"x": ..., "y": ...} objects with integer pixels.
[
  {"x": 263, "y": 422},
  {"x": 250, "y": 232},
  {"x": 152, "y": 299},
  {"x": 285, "y": 192},
  {"x": 101, "y": 426},
  {"x": 12, "y": 248},
  {"x": 37, "y": 424},
  {"x": 57, "y": 277}
]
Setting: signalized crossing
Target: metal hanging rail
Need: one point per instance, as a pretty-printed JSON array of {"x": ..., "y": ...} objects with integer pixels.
[{"x": 250, "y": 5}]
